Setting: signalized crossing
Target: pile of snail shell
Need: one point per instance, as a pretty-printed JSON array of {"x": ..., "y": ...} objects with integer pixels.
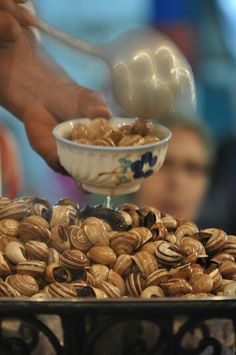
[
  {"x": 64, "y": 251},
  {"x": 100, "y": 133}
]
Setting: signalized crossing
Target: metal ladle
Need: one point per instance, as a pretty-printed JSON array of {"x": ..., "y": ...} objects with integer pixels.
[{"x": 150, "y": 76}]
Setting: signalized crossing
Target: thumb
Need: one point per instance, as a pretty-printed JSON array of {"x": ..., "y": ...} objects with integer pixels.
[{"x": 73, "y": 101}]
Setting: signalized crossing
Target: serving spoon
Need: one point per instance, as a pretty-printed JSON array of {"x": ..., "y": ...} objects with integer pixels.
[{"x": 149, "y": 74}]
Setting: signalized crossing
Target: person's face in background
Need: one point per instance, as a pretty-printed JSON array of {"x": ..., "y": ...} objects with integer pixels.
[{"x": 179, "y": 186}]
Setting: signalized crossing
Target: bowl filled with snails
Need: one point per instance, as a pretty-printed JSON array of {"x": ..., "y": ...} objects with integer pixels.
[{"x": 111, "y": 157}]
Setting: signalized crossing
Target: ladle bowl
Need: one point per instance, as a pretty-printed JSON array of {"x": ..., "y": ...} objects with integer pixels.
[{"x": 150, "y": 75}]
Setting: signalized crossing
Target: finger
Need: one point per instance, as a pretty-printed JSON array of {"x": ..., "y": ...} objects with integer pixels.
[
  {"x": 39, "y": 124},
  {"x": 21, "y": 15},
  {"x": 92, "y": 104},
  {"x": 73, "y": 101},
  {"x": 9, "y": 27}
]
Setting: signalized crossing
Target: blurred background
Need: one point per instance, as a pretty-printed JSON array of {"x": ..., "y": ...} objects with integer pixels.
[{"x": 205, "y": 31}]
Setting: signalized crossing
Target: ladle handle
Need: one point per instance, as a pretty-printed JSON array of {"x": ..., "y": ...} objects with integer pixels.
[{"x": 68, "y": 39}]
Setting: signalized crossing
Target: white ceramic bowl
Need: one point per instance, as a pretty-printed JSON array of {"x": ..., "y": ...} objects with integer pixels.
[{"x": 110, "y": 170}]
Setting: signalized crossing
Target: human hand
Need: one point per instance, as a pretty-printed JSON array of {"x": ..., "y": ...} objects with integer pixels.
[
  {"x": 35, "y": 89},
  {"x": 12, "y": 18}
]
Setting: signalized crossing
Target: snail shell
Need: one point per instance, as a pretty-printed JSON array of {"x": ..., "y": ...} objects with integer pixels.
[
  {"x": 132, "y": 210},
  {"x": 217, "y": 280},
  {"x": 176, "y": 287},
  {"x": 110, "y": 290},
  {"x": 115, "y": 279},
  {"x": 149, "y": 216},
  {"x": 37, "y": 250},
  {"x": 96, "y": 234},
  {"x": 42, "y": 208},
  {"x": 79, "y": 131},
  {"x": 72, "y": 208},
  {"x": 106, "y": 142},
  {"x": 171, "y": 238},
  {"x": 102, "y": 254},
  {"x": 84, "y": 141},
  {"x": 97, "y": 222},
  {"x": 78, "y": 285},
  {"x": 5, "y": 240},
  {"x": 89, "y": 279},
  {"x": 168, "y": 254},
  {"x": 145, "y": 262},
  {"x": 74, "y": 259},
  {"x": 17, "y": 209},
  {"x": 61, "y": 290},
  {"x": 26, "y": 285},
  {"x": 57, "y": 273},
  {"x": 7, "y": 290},
  {"x": 152, "y": 292},
  {"x": 228, "y": 269},
  {"x": 157, "y": 277},
  {"x": 79, "y": 239},
  {"x": 9, "y": 227},
  {"x": 216, "y": 241},
  {"x": 116, "y": 136},
  {"x": 99, "y": 273},
  {"x": 191, "y": 248},
  {"x": 100, "y": 128},
  {"x": 60, "y": 238},
  {"x": 197, "y": 269},
  {"x": 183, "y": 272},
  {"x": 34, "y": 228},
  {"x": 201, "y": 283},
  {"x": 91, "y": 292},
  {"x": 68, "y": 202},
  {"x": 150, "y": 247},
  {"x": 229, "y": 246},
  {"x": 135, "y": 284},
  {"x": 221, "y": 257},
  {"x": 149, "y": 139},
  {"x": 53, "y": 256},
  {"x": 169, "y": 222},
  {"x": 123, "y": 264},
  {"x": 140, "y": 127},
  {"x": 34, "y": 268},
  {"x": 4, "y": 202},
  {"x": 127, "y": 218},
  {"x": 15, "y": 252},
  {"x": 130, "y": 140},
  {"x": 5, "y": 269},
  {"x": 143, "y": 233},
  {"x": 60, "y": 215},
  {"x": 186, "y": 229},
  {"x": 230, "y": 289},
  {"x": 125, "y": 129},
  {"x": 159, "y": 231},
  {"x": 124, "y": 242},
  {"x": 40, "y": 296}
]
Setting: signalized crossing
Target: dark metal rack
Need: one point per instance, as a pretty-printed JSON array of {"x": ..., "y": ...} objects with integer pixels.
[{"x": 116, "y": 327}]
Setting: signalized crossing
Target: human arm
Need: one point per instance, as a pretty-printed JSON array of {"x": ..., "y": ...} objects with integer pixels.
[{"x": 34, "y": 88}]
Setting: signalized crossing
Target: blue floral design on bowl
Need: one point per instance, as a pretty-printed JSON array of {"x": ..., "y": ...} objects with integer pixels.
[{"x": 138, "y": 167}]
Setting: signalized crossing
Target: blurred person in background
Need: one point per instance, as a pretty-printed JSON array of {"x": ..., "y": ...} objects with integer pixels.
[{"x": 180, "y": 185}]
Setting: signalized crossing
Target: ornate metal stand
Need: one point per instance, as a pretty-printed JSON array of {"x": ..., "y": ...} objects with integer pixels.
[{"x": 128, "y": 327}]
